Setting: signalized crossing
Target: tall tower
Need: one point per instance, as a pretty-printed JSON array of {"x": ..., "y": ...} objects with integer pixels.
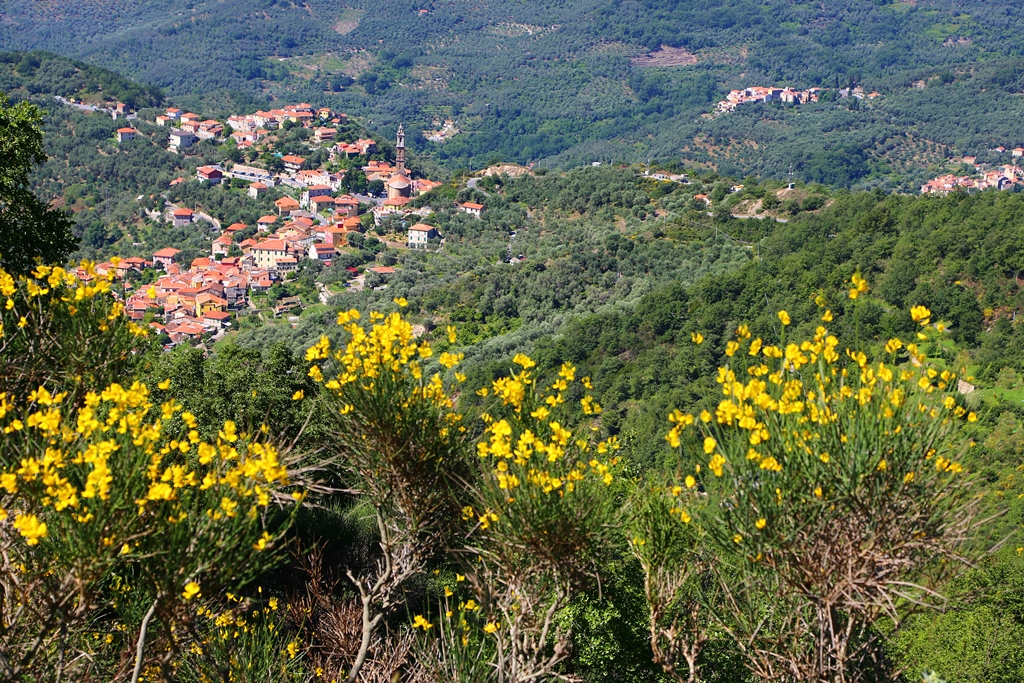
[{"x": 400, "y": 151}]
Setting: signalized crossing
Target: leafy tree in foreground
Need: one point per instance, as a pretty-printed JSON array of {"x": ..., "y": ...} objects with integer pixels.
[{"x": 29, "y": 229}]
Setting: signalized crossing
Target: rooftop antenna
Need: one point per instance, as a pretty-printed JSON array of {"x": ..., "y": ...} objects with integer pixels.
[{"x": 791, "y": 176}]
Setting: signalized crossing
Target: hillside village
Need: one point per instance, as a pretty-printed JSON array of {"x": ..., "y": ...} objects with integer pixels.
[
  {"x": 314, "y": 220},
  {"x": 1005, "y": 177}
]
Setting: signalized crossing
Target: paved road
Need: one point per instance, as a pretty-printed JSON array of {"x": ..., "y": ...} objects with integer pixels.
[{"x": 471, "y": 184}]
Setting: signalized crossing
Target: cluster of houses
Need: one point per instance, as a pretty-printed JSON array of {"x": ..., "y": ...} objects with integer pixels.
[
  {"x": 1002, "y": 178},
  {"x": 247, "y": 130},
  {"x": 757, "y": 94},
  {"x": 202, "y": 297}
]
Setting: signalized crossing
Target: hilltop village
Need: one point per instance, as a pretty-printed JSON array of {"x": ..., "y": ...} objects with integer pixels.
[{"x": 315, "y": 219}]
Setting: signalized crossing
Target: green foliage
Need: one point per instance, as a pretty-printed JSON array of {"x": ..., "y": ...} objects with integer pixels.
[
  {"x": 29, "y": 229},
  {"x": 65, "y": 335}
]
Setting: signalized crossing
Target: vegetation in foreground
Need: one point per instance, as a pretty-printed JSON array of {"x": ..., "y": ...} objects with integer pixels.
[{"x": 798, "y": 523}]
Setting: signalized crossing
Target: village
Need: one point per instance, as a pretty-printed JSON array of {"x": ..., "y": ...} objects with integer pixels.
[
  {"x": 1005, "y": 177},
  {"x": 786, "y": 95},
  {"x": 314, "y": 220},
  {"x": 757, "y": 94}
]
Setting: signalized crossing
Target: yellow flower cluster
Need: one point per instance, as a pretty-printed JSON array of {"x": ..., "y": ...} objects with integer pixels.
[
  {"x": 533, "y": 449},
  {"x": 386, "y": 352},
  {"x": 790, "y": 406},
  {"x": 64, "y": 288},
  {"x": 66, "y": 463}
]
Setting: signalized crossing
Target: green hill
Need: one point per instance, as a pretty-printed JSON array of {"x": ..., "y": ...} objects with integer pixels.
[{"x": 571, "y": 82}]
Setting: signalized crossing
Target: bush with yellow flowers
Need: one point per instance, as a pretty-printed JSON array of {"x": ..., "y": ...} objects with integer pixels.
[
  {"x": 541, "y": 512},
  {"x": 531, "y": 497},
  {"x": 120, "y": 485},
  {"x": 829, "y": 487},
  {"x": 400, "y": 446},
  {"x": 244, "y": 641},
  {"x": 64, "y": 332}
]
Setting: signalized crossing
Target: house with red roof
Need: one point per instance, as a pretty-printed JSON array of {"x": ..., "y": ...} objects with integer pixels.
[
  {"x": 257, "y": 189},
  {"x": 126, "y": 134},
  {"x": 268, "y": 253},
  {"x": 266, "y": 222},
  {"x": 217, "y": 320},
  {"x": 321, "y": 252},
  {"x": 222, "y": 245},
  {"x": 165, "y": 257},
  {"x": 318, "y": 204},
  {"x": 292, "y": 162},
  {"x": 181, "y": 217},
  {"x": 420, "y": 235},
  {"x": 315, "y": 191},
  {"x": 321, "y": 135},
  {"x": 286, "y": 205},
  {"x": 347, "y": 204},
  {"x": 206, "y": 302},
  {"x": 472, "y": 208},
  {"x": 209, "y": 174}
]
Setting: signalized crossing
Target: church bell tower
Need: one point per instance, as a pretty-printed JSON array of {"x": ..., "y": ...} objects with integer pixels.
[{"x": 400, "y": 151}]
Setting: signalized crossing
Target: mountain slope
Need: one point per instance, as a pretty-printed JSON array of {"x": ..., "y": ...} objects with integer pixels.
[{"x": 574, "y": 81}]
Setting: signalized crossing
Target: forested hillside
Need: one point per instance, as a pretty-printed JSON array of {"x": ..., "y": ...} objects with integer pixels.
[
  {"x": 623, "y": 298},
  {"x": 569, "y": 83}
]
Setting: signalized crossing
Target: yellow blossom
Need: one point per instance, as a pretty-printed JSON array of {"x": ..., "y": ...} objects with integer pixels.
[
  {"x": 191, "y": 590},
  {"x": 30, "y": 528}
]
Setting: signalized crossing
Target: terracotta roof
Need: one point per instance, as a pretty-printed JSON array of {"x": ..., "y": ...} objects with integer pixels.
[
  {"x": 167, "y": 252},
  {"x": 258, "y": 185},
  {"x": 422, "y": 227},
  {"x": 472, "y": 205},
  {"x": 127, "y": 130},
  {"x": 182, "y": 212},
  {"x": 271, "y": 245},
  {"x": 267, "y": 219}
]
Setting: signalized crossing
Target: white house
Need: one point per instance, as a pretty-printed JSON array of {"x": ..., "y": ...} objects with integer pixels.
[{"x": 420, "y": 235}]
